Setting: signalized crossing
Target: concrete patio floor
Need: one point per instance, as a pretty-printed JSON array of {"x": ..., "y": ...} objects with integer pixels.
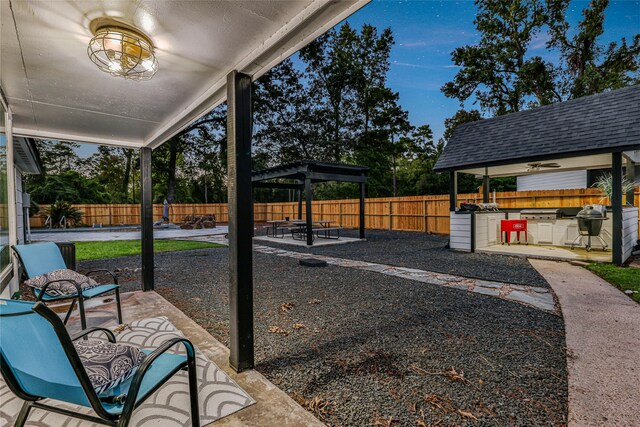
[
  {"x": 273, "y": 408},
  {"x": 288, "y": 240},
  {"x": 549, "y": 252}
]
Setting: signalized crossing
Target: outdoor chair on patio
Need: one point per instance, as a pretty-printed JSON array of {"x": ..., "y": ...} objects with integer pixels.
[
  {"x": 51, "y": 281},
  {"x": 39, "y": 360}
]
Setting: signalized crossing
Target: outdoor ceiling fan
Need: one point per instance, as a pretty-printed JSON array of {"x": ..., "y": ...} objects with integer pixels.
[{"x": 536, "y": 166}]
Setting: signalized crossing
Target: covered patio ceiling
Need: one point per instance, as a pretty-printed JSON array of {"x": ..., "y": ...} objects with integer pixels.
[
  {"x": 56, "y": 92},
  {"x": 562, "y": 164}
]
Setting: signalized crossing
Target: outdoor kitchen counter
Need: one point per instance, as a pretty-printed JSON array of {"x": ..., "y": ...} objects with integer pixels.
[{"x": 559, "y": 231}]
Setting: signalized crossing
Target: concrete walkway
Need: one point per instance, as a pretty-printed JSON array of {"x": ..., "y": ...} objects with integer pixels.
[{"x": 603, "y": 346}]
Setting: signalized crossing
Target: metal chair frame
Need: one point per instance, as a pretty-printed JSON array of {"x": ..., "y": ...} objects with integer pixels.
[
  {"x": 103, "y": 416},
  {"x": 78, "y": 297}
]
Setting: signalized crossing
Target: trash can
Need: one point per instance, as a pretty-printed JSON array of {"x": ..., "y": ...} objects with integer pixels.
[{"x": 68, "y": 251}]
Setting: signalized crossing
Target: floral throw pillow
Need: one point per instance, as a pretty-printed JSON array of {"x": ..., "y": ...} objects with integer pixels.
[
  {"x": 108, "y": 364},
  {"x": 60, "y": 287}
]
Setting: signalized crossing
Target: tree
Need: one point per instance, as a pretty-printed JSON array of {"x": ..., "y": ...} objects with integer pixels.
[
  {"x": 58, "y": 156},
  {"x": 69, "y": 186},
  {"x": 588, "y": 67},
  {"x": 498, "y": 71}
]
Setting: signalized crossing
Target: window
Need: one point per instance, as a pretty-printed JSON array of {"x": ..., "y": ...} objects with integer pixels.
[{"x": 5, "y": 251}]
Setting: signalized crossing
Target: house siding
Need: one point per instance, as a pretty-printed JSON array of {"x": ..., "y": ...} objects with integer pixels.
[{"x": 567, "y": 180}]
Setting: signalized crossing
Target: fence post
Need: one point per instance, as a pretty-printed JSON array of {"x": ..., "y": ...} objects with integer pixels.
[
  {"x": 426, "y": 225},
  {"x": 339, "y": 214},
  {"x": 390, "y": 215}
]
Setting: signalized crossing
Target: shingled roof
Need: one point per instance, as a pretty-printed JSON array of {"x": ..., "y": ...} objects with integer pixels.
[{"x": 602, "y": 123}]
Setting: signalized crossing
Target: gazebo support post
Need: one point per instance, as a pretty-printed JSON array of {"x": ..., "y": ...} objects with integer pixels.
[
  {"x": 309, "y": 214},
  {"x": 362, "y": 207},
  {"x": 146, "y": 219},
  {"x": 239, "y": 120},
  {"x": 616, "y": 205},
  {"x": 485, "y": 186},
  {"x": 300, "y": 203},
  {"x": 631, "y": 176},
  {"x": 453, "y": 190}
]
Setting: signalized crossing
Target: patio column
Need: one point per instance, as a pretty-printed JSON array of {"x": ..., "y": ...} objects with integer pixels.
[
  {"x": 485, "y": 186},
  {"x": 146, "y": 219},
  {"x": 453, "y": 190},
  {"x": 362, "y": 218},
  {"x": 616, "y": 206},
  {"x": 300, "y": 203},
  {"x": 631, "y": 176},
  {"x": 239, "y": 122},
  {"x": 309, "y": 214}
]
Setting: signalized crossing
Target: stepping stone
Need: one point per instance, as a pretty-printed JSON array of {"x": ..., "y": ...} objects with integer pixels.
[
  {"x": 313, "y": 262},
  {"x": 494, "y": 292},
  {"x": 541, "y": 301}
]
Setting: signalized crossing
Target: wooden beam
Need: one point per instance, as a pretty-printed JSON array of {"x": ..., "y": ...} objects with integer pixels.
[
  {"x": 278, "y": 185},
  {"x": 631, "y": 176},
  {"x": 616, "y": 206},
  {"x": 362, "y": 207},
  {"x": 146, "y": 219},
  {"x": 485, "y": 186},
  {"x": 321, "y": 176},
  {"x": 309, "y": 217},
  {"x": 453, "y": 190},
  {"x": 239, "y": 122}
]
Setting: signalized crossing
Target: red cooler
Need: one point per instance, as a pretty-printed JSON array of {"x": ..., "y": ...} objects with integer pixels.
[{"x": 507, "y": 226}]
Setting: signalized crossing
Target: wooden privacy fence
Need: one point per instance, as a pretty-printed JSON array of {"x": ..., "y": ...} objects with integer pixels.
[{"x": 414, "y": 213}]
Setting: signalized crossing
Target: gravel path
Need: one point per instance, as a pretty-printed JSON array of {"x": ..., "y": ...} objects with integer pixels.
[
  {"x": 427, "y": 252},
  {"x": 359, "y": 348}
]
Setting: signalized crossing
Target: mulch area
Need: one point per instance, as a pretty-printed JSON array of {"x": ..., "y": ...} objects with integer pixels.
[
  {"x": 360, "y": 348},
  {"x": 427, "y": 252}
]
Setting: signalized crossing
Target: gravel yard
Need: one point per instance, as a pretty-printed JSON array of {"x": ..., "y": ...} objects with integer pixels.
[
  {"x": 427, "y": 252},
  {"x": 360, "y": 348}
]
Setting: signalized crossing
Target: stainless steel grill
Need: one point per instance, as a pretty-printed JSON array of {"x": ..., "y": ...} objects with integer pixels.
[{"x": 540, "y": 214}]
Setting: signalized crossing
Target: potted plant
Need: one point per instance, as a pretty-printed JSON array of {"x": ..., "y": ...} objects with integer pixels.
[{"x": 605, "y": 184}]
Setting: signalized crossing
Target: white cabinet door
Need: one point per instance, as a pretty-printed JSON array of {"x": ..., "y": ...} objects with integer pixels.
[
  {"x": 492, "y": 230},
  {"x": 545, "y": 232}
]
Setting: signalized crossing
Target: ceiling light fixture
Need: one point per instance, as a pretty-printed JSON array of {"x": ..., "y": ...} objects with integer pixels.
[{"x": 121, "y": 50}]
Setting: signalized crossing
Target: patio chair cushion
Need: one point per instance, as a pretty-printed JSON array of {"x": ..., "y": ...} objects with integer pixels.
[
  {"x": 61, "y": 288},
  {"x": 108, "y": 364}
]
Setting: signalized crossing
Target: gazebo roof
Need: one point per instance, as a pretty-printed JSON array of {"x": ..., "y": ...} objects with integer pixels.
[
  {"x": 317, "y": 171},
  {"x": 603, "y": 123}
]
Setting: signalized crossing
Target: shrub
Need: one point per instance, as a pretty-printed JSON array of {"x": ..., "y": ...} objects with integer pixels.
[{"x": 61, "y": 209}]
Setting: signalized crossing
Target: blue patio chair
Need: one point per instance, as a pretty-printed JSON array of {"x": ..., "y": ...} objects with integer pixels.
[
  {"x": 38, "y": 360},
  {"x": 41, "y": 258}
]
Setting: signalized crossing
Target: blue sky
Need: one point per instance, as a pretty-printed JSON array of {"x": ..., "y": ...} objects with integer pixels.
[{"x": 426, "y": 32}]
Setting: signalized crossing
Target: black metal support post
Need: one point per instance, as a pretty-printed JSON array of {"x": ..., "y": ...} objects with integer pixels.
[
  {"x": 146, "y": 219},
  {"x": 453, "y": 190},
  {"x": 239, "y": 122},
  {"x": 485, "y": 186},
  {"x": 309, "y": 215},
  {"x": 631, "y": 176},
  {"x": 300, "y": 203},
  {"x": 616, "y": 206},
  {"x": 362, "y": 218}
]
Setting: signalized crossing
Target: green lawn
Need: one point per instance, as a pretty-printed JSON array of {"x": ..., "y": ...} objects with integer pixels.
[
  {"x": 621, "y": 277},
  {"x": 118, "y": 248}
]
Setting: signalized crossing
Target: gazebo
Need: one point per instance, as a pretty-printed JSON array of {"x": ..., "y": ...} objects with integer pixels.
[
  {"x": 301, "y": 176},
  {"x": 591, "y": 133}
]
